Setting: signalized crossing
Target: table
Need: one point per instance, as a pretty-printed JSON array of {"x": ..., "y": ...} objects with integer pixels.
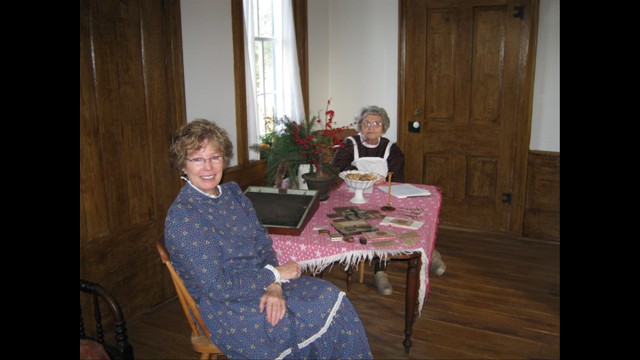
[{"x": 315, "y": 251}]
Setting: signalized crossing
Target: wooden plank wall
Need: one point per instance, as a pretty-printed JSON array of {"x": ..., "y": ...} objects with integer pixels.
[
  {"x": 131, "y": 100},
  {"x": 542, "y": 205}
]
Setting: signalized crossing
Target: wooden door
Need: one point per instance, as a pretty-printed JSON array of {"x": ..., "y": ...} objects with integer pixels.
[
  {"x": 131, "y": 100},
  {"x": 465, "y": 83}
]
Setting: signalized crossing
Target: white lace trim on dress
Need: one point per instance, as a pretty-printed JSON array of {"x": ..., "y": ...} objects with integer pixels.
[
  {"x": 276, "y": 273},
  {"x": 324, "y": 329}
]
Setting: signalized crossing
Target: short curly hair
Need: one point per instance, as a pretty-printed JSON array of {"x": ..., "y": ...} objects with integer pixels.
[
  {"x": 192, "y": 137},
  {"x": 373, "y": 110}
]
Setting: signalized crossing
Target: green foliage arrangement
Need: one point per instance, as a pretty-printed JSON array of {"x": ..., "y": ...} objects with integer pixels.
[{"x": 312, "y": 141}]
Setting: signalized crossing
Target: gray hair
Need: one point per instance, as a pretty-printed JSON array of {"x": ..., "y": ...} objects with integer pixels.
[{"x": 373, "y": 110}]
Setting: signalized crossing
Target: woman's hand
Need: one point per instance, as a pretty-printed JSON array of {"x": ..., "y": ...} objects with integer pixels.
[
  {"x": 274, "y": 303},
  {"x": 289, "y": 270}
]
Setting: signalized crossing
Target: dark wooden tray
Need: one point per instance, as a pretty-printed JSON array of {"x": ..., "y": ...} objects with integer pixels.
[{"x": 283, "y": 211}]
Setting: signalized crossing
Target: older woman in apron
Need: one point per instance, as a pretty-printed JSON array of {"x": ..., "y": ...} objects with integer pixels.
[{"x": 370, "y": 151}]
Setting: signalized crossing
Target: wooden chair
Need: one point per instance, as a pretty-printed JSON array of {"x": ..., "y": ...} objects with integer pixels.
[
  {"x": 200, "y": 335},
  {"x": 122, "y": 350},
  {"x": 342, "y": 134}
]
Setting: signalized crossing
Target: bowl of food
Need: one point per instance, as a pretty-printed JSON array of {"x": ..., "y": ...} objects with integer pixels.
[{"x": 359, "y": 181}]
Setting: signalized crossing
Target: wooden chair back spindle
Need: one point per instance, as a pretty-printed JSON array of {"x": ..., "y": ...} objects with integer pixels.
[{"x": 122, "y": 349}]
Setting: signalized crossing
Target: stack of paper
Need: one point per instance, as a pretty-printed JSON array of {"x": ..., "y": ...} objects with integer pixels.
[{"x": 405, "y": 190}]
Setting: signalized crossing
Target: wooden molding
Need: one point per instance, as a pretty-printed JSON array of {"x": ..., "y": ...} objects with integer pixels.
[
  {"x": 300, "y": 15},
  {"x": 242, "y": 139},
  {"x": 253, "y": 173},
  {"x": 542, "y": 203}
]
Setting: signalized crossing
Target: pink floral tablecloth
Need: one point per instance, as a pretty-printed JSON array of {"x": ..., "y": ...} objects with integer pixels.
[{"x": 315, "y": 251}]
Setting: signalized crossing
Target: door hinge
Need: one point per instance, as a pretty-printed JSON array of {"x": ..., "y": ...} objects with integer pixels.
[
  {"x": 506, "y": 198},
  {"x": 518, "y": 12}
]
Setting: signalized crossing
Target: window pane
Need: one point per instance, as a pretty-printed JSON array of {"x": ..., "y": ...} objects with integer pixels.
[
  {"x": 265, "y": 18},
  {"x": 270, "y": 104},
  {"x": 269, "y": 66},
  {"x": 265, "y": 43},
  {"x": 270, "y": 112},
  {"x": 261, "y": 114},
  {"x": 259, "y": 67},
  {"x": 266, "y": 113}
]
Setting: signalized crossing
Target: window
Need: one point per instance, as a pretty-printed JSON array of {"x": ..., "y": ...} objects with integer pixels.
[
  {"x": 265, "y": 42},
  {"x": 274, "y": 89}
]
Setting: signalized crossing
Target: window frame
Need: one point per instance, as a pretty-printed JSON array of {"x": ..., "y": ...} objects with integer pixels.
[{"x": 247, "y": 172}]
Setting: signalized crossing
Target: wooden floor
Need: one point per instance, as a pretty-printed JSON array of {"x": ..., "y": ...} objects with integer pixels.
[{"x": 498, "y": 299}]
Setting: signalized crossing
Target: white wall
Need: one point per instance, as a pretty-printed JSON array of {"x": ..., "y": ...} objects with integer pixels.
[
  {"x": 355, "y": 59},
  {"x": 318, "y": 47},
  {"x": 545, "y": 118},
  {"x": 208, "y": 63}
]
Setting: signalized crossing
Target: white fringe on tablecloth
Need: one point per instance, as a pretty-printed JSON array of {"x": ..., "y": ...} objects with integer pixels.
[{"x": 354, "y": 257}]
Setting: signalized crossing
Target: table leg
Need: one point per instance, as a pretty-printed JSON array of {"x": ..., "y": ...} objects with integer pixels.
[
  {"x": 411, "y": 298},
  {"x": 361, "y": 270}
]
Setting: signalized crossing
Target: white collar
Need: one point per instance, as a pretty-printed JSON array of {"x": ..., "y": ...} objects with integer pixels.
[
  {"x": 366, "y": 144},
  {"x": 218, "y": 187}
]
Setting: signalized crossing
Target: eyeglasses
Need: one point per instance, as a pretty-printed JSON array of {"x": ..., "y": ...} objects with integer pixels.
[
  {"x": 199, "y": 162},
  {"x": 371, "y": 124}
]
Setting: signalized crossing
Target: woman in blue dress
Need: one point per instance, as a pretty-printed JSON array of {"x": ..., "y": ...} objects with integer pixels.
[{"x": 254, "y": 307}]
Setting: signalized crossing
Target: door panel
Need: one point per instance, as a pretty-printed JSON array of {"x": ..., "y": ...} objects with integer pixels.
[{"x": 465, "y": 74}]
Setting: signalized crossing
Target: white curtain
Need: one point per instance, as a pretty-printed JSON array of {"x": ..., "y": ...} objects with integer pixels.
[
  {"x": 249, "y": 70},
  {"x": 287, "y": 70},
  {"x": 292, "y": 102}
]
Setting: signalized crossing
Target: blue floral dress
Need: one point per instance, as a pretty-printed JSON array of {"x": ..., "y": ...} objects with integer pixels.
[{"x": 220, "y": 250}]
